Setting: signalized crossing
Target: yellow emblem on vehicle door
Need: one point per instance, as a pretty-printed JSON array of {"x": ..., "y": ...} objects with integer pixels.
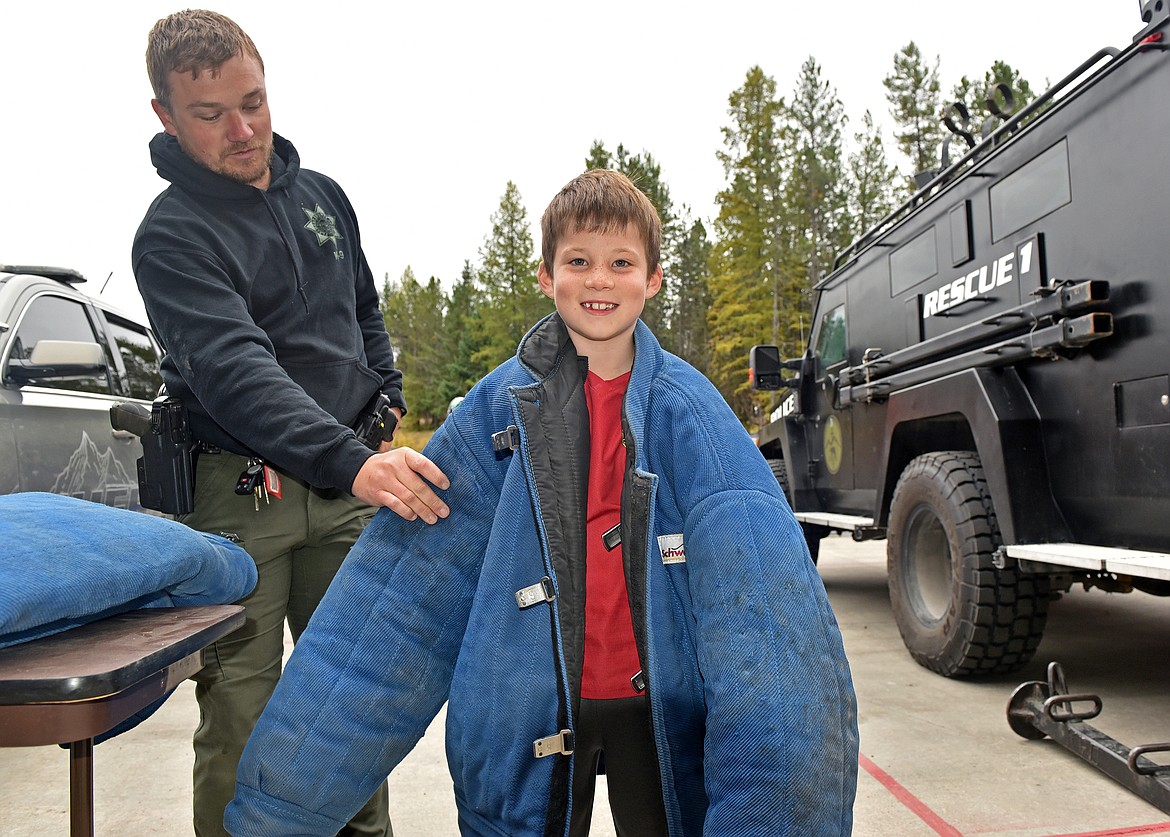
[{"x": 834, "y": 444}]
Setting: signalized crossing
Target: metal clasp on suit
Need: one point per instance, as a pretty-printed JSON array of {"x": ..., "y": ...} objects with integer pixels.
[
  {"x": 612, "y": 538},
  {"x": 508, "y": 439},
  {"x": 541, "y": 591},
  {"x": 638, "y": 681},
  {"x": 554, "y": 745}
]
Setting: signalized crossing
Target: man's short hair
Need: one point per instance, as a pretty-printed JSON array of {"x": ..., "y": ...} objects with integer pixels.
[
  {"x": 600, "y": 200},
  {"x": 192, "y": 41}
]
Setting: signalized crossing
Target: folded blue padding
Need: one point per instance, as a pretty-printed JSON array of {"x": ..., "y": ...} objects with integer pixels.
[{"x": 66, "y": 562}]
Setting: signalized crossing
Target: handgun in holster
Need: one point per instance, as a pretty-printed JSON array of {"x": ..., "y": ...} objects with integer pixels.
[
  {"x": 376, "y": 423},
  {"x": 166, "y": 473}
]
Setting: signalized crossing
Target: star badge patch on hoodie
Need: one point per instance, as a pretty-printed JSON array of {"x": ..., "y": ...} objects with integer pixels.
[{"x": 323, "y": 225}]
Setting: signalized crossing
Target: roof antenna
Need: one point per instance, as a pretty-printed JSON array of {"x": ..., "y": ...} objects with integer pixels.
[{"x": 103, "y": 290}]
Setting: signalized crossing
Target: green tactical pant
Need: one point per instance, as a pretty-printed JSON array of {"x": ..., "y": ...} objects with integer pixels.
[{"x": 298, "y": 543}]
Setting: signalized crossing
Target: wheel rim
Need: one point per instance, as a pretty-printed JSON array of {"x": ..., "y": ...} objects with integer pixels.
[{"x": 928, "y": 558}]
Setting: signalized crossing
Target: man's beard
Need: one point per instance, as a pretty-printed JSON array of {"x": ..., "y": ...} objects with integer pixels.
[{"x": 248, "y": 175}]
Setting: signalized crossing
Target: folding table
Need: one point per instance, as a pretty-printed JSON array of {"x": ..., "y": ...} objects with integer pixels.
[{"x": 70, "y": 687}]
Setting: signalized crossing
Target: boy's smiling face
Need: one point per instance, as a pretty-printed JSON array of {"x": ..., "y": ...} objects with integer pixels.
[{"x": 600, "y": 282}]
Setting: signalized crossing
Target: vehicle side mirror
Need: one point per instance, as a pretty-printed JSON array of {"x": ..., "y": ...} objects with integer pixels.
[
  {"x": 765, "y": 369},
  {"x": 58, "y": 359}
]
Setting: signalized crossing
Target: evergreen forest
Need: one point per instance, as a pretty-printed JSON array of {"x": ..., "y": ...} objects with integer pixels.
[{"x": 800, "y": 186}]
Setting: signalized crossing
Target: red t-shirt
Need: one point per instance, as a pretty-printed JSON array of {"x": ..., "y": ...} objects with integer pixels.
[{"x": 611, "y": 656}]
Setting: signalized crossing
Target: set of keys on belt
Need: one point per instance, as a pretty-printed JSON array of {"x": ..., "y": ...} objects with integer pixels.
[{"x": 254, "y": 480}]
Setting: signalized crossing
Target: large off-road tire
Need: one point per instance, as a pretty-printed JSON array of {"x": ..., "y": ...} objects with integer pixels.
[
  {"x": 812, "y": 533},
  {"x": 958, "y": 614}
]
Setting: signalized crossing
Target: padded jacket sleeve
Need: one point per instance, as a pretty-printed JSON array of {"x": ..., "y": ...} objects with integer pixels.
[
  {"x": 780, "y": 747},
  {"x": 374, "y": 666}
]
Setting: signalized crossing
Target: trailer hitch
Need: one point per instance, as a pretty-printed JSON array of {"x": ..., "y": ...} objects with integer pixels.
[{"x": 1037, "y": 710}]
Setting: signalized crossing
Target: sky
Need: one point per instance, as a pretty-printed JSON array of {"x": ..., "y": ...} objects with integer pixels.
[{"x": 425, "y": 111}]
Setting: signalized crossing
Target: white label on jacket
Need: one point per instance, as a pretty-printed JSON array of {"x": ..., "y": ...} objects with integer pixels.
[{"x": 673, "y": 551}]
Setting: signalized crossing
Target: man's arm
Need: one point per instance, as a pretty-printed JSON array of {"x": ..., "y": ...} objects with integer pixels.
[{"x": 230, "y": 366}]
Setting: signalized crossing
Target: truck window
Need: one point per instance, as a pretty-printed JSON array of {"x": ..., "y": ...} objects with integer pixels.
[
  {"x": 1030, "y": 192},
  {"x": 913, "y": 262},
  {"x": 140, "y": 357},
  {"x": 51, "y": 317},
  {"x": 831, "y": 342}
]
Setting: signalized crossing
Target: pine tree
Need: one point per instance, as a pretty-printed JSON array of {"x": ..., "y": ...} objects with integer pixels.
[
  {"x": 1002, "y": 73},
  {"x": 511, "y": 299},
  {"x": 912, "y": 90},
  {"x": 413, "y": 314},
  {"x": 646, "y": 174},
  {"x": 749, "y": 259},
  {"x": 873, "y": 189},
  {"x": 980, "y": 97},
  {"x": 392, "y": 304},
  {"x": 384, "y": 298},
  {"x": 693, "y": 301},
  {"x": 817, "y": 196},
  {"x": 598, "y": 157},
  {"x": 460, "y": 372}
]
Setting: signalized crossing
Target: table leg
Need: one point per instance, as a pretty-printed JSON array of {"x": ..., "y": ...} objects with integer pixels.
[{"x": 81, "y": 788}]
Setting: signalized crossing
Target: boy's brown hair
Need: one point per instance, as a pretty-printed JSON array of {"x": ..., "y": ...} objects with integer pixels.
[
  {"x": 600, "y": 200},
  {"x": 192, "y": 41}
]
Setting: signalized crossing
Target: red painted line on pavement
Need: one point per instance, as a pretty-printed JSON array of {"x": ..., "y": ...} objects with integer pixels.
[
  {"x": 1156, "y": 828},
  {"x": 908, "y": 799},
  {"x": 945, "y": 829}
]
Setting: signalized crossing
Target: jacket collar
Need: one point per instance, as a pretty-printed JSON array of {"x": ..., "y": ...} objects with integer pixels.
[
  {"x": 547, "y": 345},
  {"x": 177, "y": 167},
  {"x": 649, "y": 359},
  {"x": 547, "y": 348}
]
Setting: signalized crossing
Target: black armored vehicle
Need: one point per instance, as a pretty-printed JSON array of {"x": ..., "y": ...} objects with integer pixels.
[{"x": 987, "y": 380}]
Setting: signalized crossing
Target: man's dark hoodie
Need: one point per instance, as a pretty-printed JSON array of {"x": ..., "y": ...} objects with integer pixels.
[{"x": 267, "y": 310}]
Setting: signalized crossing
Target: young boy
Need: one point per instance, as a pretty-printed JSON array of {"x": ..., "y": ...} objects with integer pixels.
[{"x": 620, "y": 580}]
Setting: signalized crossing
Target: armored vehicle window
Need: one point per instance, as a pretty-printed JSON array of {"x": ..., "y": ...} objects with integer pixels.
[
  {"x": 51, "y": 317},
  {"x": 913, "y": 262},
  {"x": 962, "y": 239},
  {"x": 831, "y": 342},
  {"x": 139, "y": 357},
  {"x": 1031, "y": 192}
]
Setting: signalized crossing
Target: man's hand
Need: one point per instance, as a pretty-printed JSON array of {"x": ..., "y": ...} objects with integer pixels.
[{"x": 394, "y": 479}]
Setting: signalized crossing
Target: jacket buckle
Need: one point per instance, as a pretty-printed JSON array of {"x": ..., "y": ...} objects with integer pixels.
[
  {"x": 558, "y": 744},
  {"x": 508, "y": 439},
  {"x": 541, "y": 591},
  {"x": 638, "y": 681}
]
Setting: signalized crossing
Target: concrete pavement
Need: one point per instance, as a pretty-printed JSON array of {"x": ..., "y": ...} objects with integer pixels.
[{"x": 938, "y": 757}]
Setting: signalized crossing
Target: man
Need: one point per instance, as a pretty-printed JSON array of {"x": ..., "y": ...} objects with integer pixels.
[{"x": 252, "y": 274}]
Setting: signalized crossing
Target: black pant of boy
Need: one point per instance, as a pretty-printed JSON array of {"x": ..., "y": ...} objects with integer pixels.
[{"x": 620, "y": 730}]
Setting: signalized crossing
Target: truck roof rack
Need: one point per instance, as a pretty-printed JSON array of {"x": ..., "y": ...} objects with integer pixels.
[
  {"x": 67, "y": 275},
  {"x": 931, "y": 182}
]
